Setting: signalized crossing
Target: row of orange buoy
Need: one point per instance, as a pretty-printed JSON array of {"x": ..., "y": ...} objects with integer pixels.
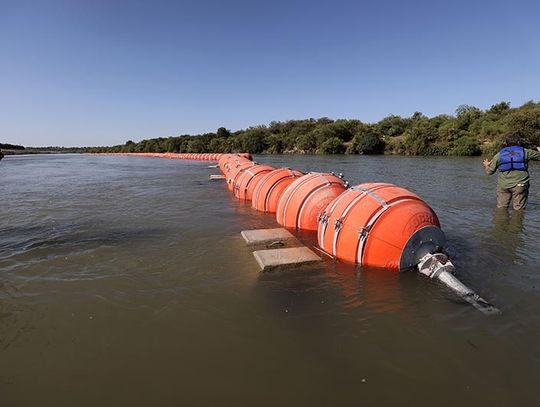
[
  {"x": 373, "y": 224},
  {"x": 182, "y": 156}
]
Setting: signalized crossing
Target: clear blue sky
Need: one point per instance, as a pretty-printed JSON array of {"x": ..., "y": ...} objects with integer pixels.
[{"x": 101, "y": 72}]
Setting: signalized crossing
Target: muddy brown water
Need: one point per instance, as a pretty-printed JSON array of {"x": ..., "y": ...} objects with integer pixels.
[{"x": 124, "y": 282}]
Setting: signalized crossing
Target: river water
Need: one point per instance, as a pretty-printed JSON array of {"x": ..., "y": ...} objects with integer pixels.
[{"x": 124, "y": 282}]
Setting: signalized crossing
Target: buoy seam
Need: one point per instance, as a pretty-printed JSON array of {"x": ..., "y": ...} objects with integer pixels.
[
  {"x": 302, "y": 207},
  {"x": 311, "y": 175},
  {"x": 365, "y": 231},
  {"x": 259, "y": 187},
  {"x": 349, "y": 207},
  {"x": 251, "y": 179},
  {"x": 329, "y": 213},
  {"x": 274, "y": 185}
]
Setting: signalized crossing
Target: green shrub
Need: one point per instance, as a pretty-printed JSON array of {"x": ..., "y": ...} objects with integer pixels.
[
  {"x": 419, "y": 138},
  {"x": 465, "y": 146},
  {"x": 367, "y": 141},
  {"x": 394, "y": 145},
  {"x": 307, "y": 142},
  {"x": 333, "y": 145},
  {"x": 253, "y": 140}
]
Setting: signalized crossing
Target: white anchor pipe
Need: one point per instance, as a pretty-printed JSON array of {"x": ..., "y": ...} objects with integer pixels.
[{"x": 438, "y": 266}]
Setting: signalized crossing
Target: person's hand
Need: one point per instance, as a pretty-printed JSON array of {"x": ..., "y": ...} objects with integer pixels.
[
  {"x": 487, "y": 162},
  {"x": 538, "y": 148}
]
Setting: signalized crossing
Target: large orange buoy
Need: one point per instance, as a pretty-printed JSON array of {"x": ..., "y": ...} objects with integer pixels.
[
  {"x": 305, "y": 198},
  {"x": 234, "y": 169},
  {"x": 229, "y": 161},
  {"x": 379, "y": 225},
  {"x": 247, "y": 180},
  {"x": 224, "y": 160},
  {"x": 268, "y": 191}
]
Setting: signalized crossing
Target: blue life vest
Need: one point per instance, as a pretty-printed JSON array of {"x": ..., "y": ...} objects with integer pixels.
[{"x": 512, "y": 158}]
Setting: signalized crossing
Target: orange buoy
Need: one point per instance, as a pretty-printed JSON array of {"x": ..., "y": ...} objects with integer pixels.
[
  {"x": 247, "y": 180},
  {"x": 229, "y": 161},
  {"x": 268, "y": 191},
  {"x": 379, "y": 225},
  {"x": 223, "y": 160},
  {"x": 234, "y": 169},
  {"x": 243, "y": 167},
  {"x": 305, "y": 198}
]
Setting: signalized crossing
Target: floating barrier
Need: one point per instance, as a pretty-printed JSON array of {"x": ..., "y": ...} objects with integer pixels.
[
  {"x": 235, "y": 169},
  {"x": 225, "y": 163},
  {"x": 222, "y": 161},
  {"x": 379, "y": 225},
  {"x": 305, "y": 198},
  {"x": 187, "y": 156},
  {"x": 180, "y": 156},
  {"x": 270, "y": 188},
  {"x": 247, "y": 180},
  {"x": 374, "y": 224}
]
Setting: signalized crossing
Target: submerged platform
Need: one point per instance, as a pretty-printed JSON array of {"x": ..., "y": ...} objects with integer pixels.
[
  {"x": 285, "y": 259},
  {"x": 270, "y": 238}
]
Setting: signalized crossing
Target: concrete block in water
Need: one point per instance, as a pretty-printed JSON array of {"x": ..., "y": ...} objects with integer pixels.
[
  {"x": 285, "y": 259},
  {"x": 270, "y": 238}
]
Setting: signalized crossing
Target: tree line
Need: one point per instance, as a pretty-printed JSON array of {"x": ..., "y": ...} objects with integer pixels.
[
  {"x": 470, "y": 131},
  {"x": 7, "y": 146}
]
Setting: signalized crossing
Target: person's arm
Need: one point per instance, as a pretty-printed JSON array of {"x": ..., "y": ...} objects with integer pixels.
[
  {"x": 491, "y": 166},
  {"x": 533, "y": 154}
]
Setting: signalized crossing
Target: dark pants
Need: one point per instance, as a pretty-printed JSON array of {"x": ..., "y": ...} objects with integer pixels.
[{"x": 518, "y": 195}]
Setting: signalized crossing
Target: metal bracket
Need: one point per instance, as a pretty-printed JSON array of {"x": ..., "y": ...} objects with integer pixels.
[
  {"x": 432, "y": 265},
  {"x": 323, "y": 217}
]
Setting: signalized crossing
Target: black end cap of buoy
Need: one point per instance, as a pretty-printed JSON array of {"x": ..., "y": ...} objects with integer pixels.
[{"x": 429, "y": 239}]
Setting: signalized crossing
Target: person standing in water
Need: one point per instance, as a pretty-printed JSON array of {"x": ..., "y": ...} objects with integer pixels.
[{"x": 512, "y": 165}]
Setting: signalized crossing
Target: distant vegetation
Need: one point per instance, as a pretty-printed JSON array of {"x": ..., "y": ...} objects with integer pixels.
[
  {"x": 471, "y": 131},
  {"x": 11, "y": 147}
]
